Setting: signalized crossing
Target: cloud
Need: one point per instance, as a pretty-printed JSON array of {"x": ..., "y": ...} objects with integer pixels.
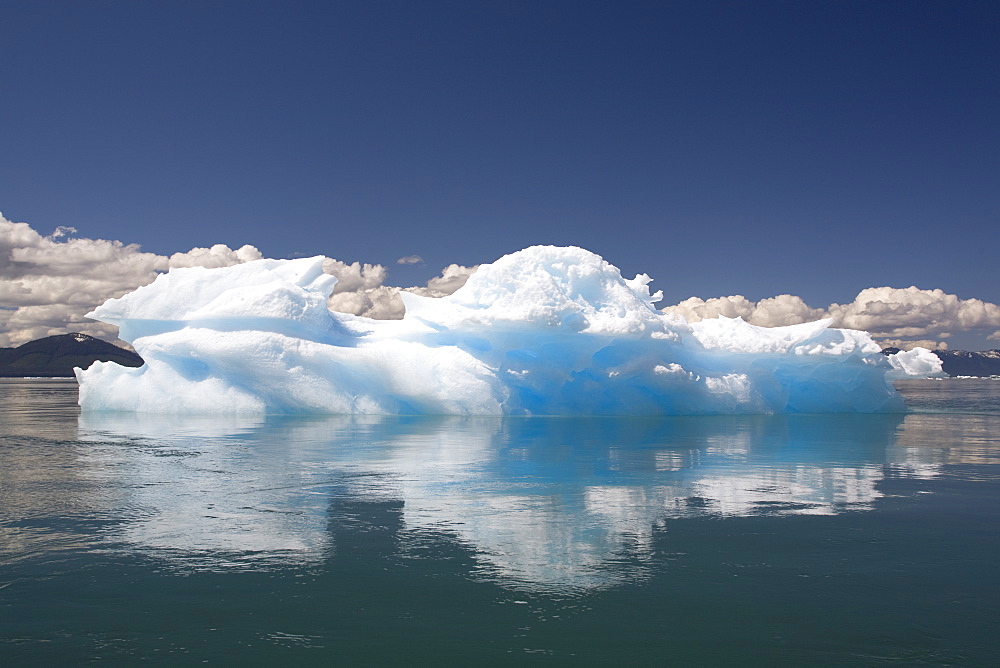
[
  {"x": 912, "y": 312},
  {"x": 48, "y": 283},
  {"x": 910, "y": 345},
  {"x": 383, "y": 302},
  {"x": 355, "y": 276},
  {"x": 218, "y": 255},
  {"x": 62, "y": 231},
  {"x": 771, "y": 312},
  {"x": 696, "y": 309},
  {"x": 360, "y": 291},
  {"x": 896, "y": 315},
  {"x": 410, "y": 259},
  {"x": 451, "y": 279}
]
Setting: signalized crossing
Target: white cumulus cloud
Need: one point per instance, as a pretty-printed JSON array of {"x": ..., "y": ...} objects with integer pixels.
[
  {"x": 771, "y": 312},
  {"x": 218, "y": 255},
  {"x": 355, "y": 276},
  {"x": 48, "y": 283},
  {"x": 451, "y": 279},
  {"x": 930, "y": 344},
  {"x": 382, "y": 302},
  {"x": 908, "y": 312},
  {"x": 894, "y": 315}
]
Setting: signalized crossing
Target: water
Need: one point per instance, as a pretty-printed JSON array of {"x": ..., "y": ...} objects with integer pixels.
[{"x": 760, "y": 540}]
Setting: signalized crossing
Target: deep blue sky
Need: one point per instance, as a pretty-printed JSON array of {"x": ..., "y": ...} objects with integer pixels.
[{"x": 759, "y": 148}]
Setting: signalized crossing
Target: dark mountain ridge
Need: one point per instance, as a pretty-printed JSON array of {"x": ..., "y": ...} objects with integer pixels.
[{"x": 55, "y": 356}]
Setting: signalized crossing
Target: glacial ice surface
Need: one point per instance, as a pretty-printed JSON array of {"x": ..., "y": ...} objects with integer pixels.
[{"x": 544, "y": 331}]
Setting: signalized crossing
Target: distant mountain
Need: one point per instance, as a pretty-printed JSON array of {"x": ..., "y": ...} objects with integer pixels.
[
  {"x": 964, "y": 363},
  {"x": 55, "y": 356}
]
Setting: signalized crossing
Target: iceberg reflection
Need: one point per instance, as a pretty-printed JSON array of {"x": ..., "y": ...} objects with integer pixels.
[{"x": 538, "y": 502}]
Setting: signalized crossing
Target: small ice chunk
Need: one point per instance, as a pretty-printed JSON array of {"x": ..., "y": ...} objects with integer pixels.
[{"x": 916, "y": 363}]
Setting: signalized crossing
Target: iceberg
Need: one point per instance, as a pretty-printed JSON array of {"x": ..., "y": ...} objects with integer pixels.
[{"x": 543, "y": 331}]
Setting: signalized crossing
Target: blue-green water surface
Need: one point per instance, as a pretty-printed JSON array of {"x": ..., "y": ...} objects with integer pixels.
[{"x": 753, "y": 540}]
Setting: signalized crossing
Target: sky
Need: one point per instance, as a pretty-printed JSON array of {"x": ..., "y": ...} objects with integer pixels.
[{"x": 754, "y": 149}]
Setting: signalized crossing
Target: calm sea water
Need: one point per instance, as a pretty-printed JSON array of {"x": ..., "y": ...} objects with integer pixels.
[{"x": 760, "y": 540}]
